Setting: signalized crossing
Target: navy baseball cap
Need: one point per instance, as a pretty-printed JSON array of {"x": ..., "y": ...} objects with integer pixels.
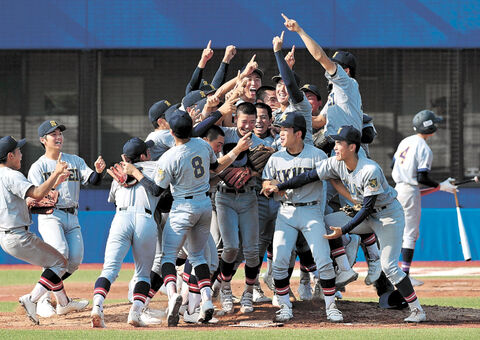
[
  {"x": 278, "y": 77},
  {"x": 134, "y": 147},
  {"x": 207, "y": 88},
  {"x": 158, "y": 109},
  {"x": 9, "y": 144},
  {"x": 293, "y": 120},
  {"x": 49, "y": 126},
  {"x": 349, "y": 134},
  {"x": 181, "y": 124},
  {"x": 311, "y": 88},
  {"x": 192, "y": 97},
  {"x": 170, "y": 110},
  {"x": 257, "y": 71}
]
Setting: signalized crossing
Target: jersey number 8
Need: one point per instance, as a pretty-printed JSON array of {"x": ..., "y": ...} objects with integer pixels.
[{"x": 197, "y": 164}]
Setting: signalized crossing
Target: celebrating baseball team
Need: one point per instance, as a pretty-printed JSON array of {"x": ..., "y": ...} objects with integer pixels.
[{"x": 236, "y": 170}]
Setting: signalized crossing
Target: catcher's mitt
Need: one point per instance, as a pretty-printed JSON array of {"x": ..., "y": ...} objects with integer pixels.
[
  {"x": 258, "y": 157},
  {"x": 165, "y": 203},
  {"x": 236, "y": 177},
  {"x": 351, "y": 210},
  {"x": 46, "y": 204},
  {"x": 116, "y": 171},
  {"x": 325, "y": 143}
]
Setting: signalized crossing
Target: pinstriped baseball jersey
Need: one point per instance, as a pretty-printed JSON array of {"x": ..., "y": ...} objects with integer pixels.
[
  {"x": 344, "y": 104},
  {"x": 413, "y": 155},
  {"x": 13, "y": 207},
  {"x": 366, "y": 180},
  {"x": 136, "y": 195},
  {"x": 186, "y": 168},
  {"x": 163, "y": 140},
  {"x": 304, "y": 108},
  {"x": 282, "y": 166},
  {"x": 69, "y": 190}
]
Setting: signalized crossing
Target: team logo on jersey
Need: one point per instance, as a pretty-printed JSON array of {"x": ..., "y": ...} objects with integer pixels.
[
  {"x": 160, "y": 175},
  {"x": 373, "y": 184},
  {"x": 53, "y": 123}
]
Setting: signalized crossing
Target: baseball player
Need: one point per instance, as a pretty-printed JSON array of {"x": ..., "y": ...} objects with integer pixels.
[
  {"x": 61, "y": 229},
  {"x": 266, "y": 94},
  {"x": 133, "y": 225},
  {"x": 185, "y": 169},
  {"x": 412, "y": 164},
  {"x": 364, "y": 182},
  {"x": 315, "y": 99},
  {"x": 15, "y": 238},
  {"x": 301, "y": 211}
]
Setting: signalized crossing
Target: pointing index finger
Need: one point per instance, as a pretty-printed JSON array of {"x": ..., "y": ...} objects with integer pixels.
[
  {"x": 59, "y": 157},
  {"x": 209, "y": 44},
  {"x": 293, "y": 49},
  {"x": 285, "y": 17},
  {"x": 253, "y": 58},
  {"x": 281, "y": 35},
  {"x": 123, "y": 158}
]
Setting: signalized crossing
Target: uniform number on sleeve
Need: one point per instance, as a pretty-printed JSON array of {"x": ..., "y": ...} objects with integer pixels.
[
  {"x": 197, "y": 164},
  {"x": 403, "y": 155}
]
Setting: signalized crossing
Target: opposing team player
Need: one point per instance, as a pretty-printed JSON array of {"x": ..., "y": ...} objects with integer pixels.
[
  {"x": 364, "y": 182},
  {"x": 17, "y": 240},
  {"x": 412, "y": 163},
  {"x": 301, "y": 211},
  {"x": 61, "y": 229}
]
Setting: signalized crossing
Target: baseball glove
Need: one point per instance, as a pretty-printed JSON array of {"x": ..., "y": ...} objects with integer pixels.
[
  {"x": 46, "y": 204},
  {"x": 165, "y": 202},
  {"x": 258, "y": 157},
  {"x": 116, "y": 171},
  {"x": 325, "y": 143},
  {"x": 351, "y": 210},
  {"x": 236, "y": 177}
]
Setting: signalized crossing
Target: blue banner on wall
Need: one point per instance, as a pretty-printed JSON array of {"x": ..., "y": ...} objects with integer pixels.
[{"x": 106, "y": 24}]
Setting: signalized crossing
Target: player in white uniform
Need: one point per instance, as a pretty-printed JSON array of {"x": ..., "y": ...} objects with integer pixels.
[
  {"x": 301, "y": 211},
  {"x": 133, "y": 225},
  {"x": 15, "y": 238},
  {"x": 365, "y": 182},
  {"x": 412, "y": 163},
  {"x": 61, "y": 229}
]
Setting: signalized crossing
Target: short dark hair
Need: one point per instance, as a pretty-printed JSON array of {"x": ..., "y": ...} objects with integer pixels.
[
  {"x": 262, "y": 91},
  {"x": 266, "y": 107},
  {"x": 155, "y": 124},
  {"x": 247, "y": 108},
  {"x": 304, "y": 131},
  {"x": 213, "y": 133}
]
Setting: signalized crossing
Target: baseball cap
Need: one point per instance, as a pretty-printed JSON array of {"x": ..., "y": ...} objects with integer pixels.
[
  {"x": 134, "y": 147},
  {"x": 158, "y": 109},
  {"x": 311, "y": 88},
  {"x": 278, "y": 77},
  {"x": 257, "y": 71},
  {"x": 192, "y": 97},
  {"x": 349, "y": 134},
  {"x": 366, "y": 118},
  {"x": 170, "y": 110},
  {"x": 207, "y": 88},
  {"x": 181, "y": 124},
  {"x": 8, "y": 144},
  {"x": 293, "y": 120},
  {"x": 49, "y": 126}
]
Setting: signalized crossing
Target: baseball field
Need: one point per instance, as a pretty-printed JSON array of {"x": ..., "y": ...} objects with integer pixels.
[{"x": 450, "y": 295}]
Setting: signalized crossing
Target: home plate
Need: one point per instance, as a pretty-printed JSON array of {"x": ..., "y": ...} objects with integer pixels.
[{"x": 258, "y": 324}]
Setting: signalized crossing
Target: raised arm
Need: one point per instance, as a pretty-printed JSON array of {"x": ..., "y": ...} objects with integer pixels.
[
  {"x": 315, "y": 50},
  {"x": 59, "y": 174},
  {"x": 221, "y": 74},
  {"x": 194, "y": 82}
]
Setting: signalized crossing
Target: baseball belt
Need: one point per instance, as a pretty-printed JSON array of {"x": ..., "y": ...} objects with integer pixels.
[{"x": 301, "y": 204}]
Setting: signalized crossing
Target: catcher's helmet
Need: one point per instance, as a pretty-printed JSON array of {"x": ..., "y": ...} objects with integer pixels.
[
  {"x": 424, "y": 122},
  {"x": 346, "y": 59}
]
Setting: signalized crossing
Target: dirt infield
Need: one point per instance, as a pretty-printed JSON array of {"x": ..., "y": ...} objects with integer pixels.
[{"x": 309, "y": 314}]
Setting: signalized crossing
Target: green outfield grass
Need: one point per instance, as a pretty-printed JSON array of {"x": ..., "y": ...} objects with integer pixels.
[{"x": 258, "y": 334}]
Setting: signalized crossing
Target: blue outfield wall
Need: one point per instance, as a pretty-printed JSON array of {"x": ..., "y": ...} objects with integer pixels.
[{"x": 439, "y": 238}]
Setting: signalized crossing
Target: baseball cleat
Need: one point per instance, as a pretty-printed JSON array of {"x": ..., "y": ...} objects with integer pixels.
[
  {"x": 344, "y": 277},
  {"x": 374, "y": 271},
  {"x": 305, "y": 291},
  {"x": 44, "y": 306},
  {"x": 72, "y": 306},
  {"x": 246, "y": 303},
  {"x": 97, "y": 317},
  {"x": 259, "y": 296},
  {"x": 268, "y": 280},
  {"x": 30, "y": 308},
  {"x": 351, "y": 249},
  {"x": 415, "y": 282},
  {"x": 318, "y": 291},
  {"x": 226, "y": 300},
  {"x": 183, "y": 309},
  {"x": 338, "y": 295},
  {"x": 275, "y": 302},
  {"x": 153, "y": 316},
  {"x": 283, "y": 314},
  {"x": 135, "y": 319},
  {"x": 191, "y": 318},
  {"x": 333, "y": 314},
  {"x": 417, "y": 315},
  {"x": 173, "y": 306},
  {"x": 206, "y": 312}
]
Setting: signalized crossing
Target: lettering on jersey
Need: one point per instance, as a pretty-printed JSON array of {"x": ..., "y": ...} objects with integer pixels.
[
  {"x": 283, "y": 175},
  {"x": 403, "y": 155},
  {"x": 331, "y": 99},
  {"x": 160, "y": 175},
  {"x": 197, "y": 165},
  {"x": 74, "y": 175},
  {"x": 373, "y": 184}
]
